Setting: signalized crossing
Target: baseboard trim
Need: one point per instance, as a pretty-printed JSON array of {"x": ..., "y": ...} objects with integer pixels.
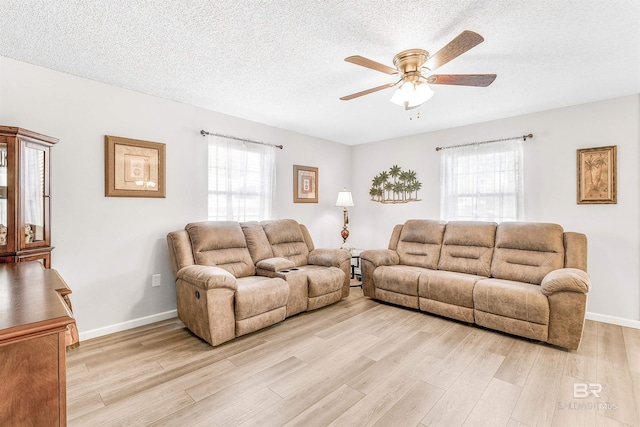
[
  {"x": 635, "y": 324},
  {"x": 142, "y": 321},
  {"x": 129, "y": 324}
]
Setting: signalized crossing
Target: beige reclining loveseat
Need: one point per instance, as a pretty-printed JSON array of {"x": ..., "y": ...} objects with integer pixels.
[
  {"x": 526, "y": 279},
  {"x": 235, "y": 278}
]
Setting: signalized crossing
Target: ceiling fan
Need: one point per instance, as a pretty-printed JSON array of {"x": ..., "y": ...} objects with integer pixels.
[{"x": 413, "y": 66}]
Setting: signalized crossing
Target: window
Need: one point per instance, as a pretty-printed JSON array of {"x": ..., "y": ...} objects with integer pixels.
[
  {"x": 241, "y": 180},
  {"x": 482, "y": 182}
]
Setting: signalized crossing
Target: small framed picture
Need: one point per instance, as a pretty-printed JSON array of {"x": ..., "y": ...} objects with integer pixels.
[
  {"x": 134, "y": 168},
  {"x": 597, "y": 175},
  {"x": 305, "y": 184}
]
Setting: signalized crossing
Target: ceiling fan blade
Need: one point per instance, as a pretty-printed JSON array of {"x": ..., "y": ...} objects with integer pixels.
[
  {"x": 365, "y": 62},
  {"x": 456, "y": 47},
  {"x": 366, "y": 92},
  {"x": 482, "y": 80}
]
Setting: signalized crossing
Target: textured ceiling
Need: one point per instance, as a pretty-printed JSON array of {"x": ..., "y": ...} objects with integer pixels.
[{"x": 281, "y": 62}]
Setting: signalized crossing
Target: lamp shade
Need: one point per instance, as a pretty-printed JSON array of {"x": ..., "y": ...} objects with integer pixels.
[
  {"x": 402, "y": 94},
  {"x": 344, "y": 199},
  {"x": 411, "y": 95},
  {"x": 421, "y": 94}
]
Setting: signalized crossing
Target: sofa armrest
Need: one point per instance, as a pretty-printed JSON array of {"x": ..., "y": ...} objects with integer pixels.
[
  {"x": 565, "y": 280},
  {"x": 566, "y": 290},
  {"x": 275, "y": 264},
  {"x": 206, "y": 277},
  {"x": 369, "y": 261},
  {"x": 379, "y": 257},
  {"x": 329, "y": 257}
]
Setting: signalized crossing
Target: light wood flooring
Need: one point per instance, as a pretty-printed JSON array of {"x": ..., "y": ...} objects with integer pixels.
[{"x": 357, "y": 362}]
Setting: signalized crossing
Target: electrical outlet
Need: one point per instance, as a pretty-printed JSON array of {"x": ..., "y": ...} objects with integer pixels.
[{"x": 155, "y": 280}]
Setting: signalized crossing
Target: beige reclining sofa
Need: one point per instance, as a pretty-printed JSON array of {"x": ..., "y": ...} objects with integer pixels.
[
  {"x": 526, "y": 279},
  {"x": 235, "y": 278}
]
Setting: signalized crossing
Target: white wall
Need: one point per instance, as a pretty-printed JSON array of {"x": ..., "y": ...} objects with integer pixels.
[
  {"x": 550, "y": 190},
  {"x": 108, "y": 248}
]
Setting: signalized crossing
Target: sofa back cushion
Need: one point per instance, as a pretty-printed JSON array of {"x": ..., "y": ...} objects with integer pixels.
[
  {"x": 526, "y": 252},
  {"x": 180, "y": 250},
  {"x": 222, "y": 244},
  {"x": 419, "y": 243},
  {"x": 257, "y": 242},
  {"x": 395, "y": 237},
  {"x": 467, "y": 247},
  {"x": 307, "y": 237},
  {"x": 287, "y": 240},
  {"x": 575, "y": 250}
]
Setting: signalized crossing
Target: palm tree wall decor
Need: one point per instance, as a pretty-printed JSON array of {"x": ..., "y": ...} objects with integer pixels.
[
  {"x": 597, "y": 175},
  {"x": 395, "y": 186}
]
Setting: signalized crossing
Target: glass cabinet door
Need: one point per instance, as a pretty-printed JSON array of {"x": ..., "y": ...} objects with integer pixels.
[
  {"x": 3, "y": 195},
  {"x": 33, "y": 175}
]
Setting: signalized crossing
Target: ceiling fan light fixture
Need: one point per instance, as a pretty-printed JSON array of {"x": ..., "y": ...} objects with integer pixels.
[
  {"x": 411, "y": 95},
  {"x": 402, "y": 94},
  {"x": 421, "y": 94}
]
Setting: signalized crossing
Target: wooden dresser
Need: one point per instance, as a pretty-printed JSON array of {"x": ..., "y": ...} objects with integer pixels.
[{"x": 33, "y": 321}]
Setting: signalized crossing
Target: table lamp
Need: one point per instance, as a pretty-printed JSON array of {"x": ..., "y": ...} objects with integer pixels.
[{"x": 345, "y": 200}]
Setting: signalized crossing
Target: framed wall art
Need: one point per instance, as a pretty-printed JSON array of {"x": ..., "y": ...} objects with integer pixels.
[
  {"x": 597, "y": 175},
  {"x": 134, "y": 168},
  {"x": 305, "y": 184}
]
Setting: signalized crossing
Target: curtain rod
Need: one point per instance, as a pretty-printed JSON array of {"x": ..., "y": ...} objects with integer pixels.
[
  {"x": 524, "y": 138},
  {"x": 205, "y": 133}
]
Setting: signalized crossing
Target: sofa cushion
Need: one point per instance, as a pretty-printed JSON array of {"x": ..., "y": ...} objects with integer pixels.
[
  {"x": 402, "y": 279},
  {"x": 526, "y": 252},
  {"x": 467, "y": 247},
  {"x": 322, "y": 280},
  {"x": 258, "y": 294},
  {"x": 222, "y": 244},
  {"x": 448, "y": 286},
  {"x": 252, "y": 324},
  {"x": 575, "y": 250},
  {"x": 395, "y": 237},
  {"x": 419, "y": 243},
  {"x": 286, "y": 240},
  {"x": 515, "y": 300},
  {"x": 521, "y": 328},
  {"x": 307, "y": 237},
  {"x": 257, "y": 242},
  {"x": 180, "y": 250}
]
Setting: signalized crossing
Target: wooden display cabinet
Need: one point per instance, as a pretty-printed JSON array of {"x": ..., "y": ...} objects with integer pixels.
[{"x": 25, "y": 205}]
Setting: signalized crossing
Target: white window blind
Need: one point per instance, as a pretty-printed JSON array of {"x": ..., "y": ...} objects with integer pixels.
[
  {"x": 241, "y": 180},
  {"x": 482, "y": 182}
]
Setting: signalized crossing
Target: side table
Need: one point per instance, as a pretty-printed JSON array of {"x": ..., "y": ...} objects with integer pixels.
[{"x": 355, "y": 265}]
